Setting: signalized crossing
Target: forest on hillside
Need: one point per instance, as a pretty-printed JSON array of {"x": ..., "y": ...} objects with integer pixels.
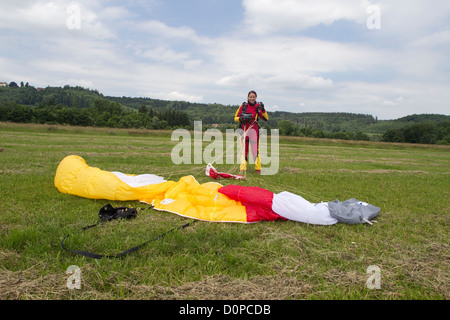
[{"x": 86, "y": 107}]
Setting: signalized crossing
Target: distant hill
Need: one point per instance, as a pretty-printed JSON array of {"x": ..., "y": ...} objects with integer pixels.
[
  {"x": 76, "y": 97},
  {"x": 327, "y": 121},
  {"x": 160, "y": 113}
]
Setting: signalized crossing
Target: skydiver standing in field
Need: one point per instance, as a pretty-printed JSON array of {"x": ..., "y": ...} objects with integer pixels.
[{"x": 247, "y": 115}]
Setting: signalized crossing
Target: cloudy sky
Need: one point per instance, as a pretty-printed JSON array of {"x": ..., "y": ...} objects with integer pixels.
[{"x": 387, "y": 58}]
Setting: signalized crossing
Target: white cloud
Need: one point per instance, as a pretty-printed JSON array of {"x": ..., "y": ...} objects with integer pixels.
[
  {"x": 120, "y": 53},
  {"x": 115, "y": 13},
  {"x": 163, "y": 30},
  {"x": 169, "y": 56},
  {"x": 76, "y": 82},
  {"x": 293, "y": 81},
  {"x": 273, "y": 108},
  {"x": 292, "y": 54},
  {"x": 387, "y": 100},
  {"x": 165, "y": 54},
  {"x": 288, "y": 64},
  {"x": 177, "y": 96},
  {"x": 393, "y": 102},
  {"x": 405, "y": 19},
  {"x": 436, "y": 39},
  {"x": 410, "y": 20},
  {"x": 40, "y": 18},
  {"x": 268, "y": 16}
]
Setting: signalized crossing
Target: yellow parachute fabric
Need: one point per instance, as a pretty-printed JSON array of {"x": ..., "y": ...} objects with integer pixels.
[
  {"x": 74, "y": 176},
  {"x": 186, "y": 197}
]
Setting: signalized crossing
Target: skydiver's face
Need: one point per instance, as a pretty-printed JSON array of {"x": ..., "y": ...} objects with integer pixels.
[{"x": 252, "y": 98}]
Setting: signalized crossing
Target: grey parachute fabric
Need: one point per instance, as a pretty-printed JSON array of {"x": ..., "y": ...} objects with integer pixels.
[{"x": 353, "y": 211}]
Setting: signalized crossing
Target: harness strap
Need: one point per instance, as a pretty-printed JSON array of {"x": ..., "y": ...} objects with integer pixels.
[{"x": 123, "y": 253}]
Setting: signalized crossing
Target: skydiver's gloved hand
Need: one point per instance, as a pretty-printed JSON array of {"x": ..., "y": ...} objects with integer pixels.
[
  {"x": 261, "y": 107},
  {"x": 242, "y": 119}
]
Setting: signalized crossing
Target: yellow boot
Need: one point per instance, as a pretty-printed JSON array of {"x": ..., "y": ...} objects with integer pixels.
[
  {"x": 243, "y": 167},
  {"x": 258, "y": 165}
]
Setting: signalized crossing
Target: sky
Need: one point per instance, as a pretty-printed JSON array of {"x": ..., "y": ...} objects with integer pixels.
[{"x": 387, "y": 58}]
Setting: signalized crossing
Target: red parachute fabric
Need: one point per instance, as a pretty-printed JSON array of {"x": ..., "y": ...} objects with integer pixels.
[
  {"x": 257, "y": 202},
  {"x": 213, "y": 173}
]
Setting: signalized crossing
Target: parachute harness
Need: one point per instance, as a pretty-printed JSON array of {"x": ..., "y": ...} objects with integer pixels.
[{"x": 108, "y": 213}]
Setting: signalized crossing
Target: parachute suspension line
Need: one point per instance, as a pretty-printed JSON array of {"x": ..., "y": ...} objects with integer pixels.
[
  {"x": 258, "y": 181},
  {"x": 243, "y": 139},
  {"x": 186, "y": 171},
  {"x": 198, "y": 169},
  {"x": 168, "y": 172},
  {"x": 224, "y": 152},
  {"x": 241, "y": 156},
  {"x": 201, "y": 169}
]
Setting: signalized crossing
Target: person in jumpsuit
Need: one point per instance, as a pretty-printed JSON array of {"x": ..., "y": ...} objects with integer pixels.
[{"x": 247, "y": 115}]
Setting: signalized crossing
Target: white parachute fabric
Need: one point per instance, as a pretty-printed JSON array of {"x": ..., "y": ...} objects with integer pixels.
[
  {"x": 294, "y": 207},
  {"x": 140, "y": 180}
]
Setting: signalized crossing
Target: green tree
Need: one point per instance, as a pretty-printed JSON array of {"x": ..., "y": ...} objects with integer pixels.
[
  {"x": 156, "y": 123},
  {"x": 286, "y": 127},
  {"x": 143, "y": 109}
]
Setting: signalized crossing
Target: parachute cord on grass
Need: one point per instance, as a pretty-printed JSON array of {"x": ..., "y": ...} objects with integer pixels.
[
  {"x": 220, "y": 155},
  {"x": 201, "y": 169},
  {"x": 260, "y": 181},
  {"x": 186, "y": 171},
  {"x": 233, "y": 169},
  {"x": 241, "y": 155},
  {"x": 256, "y": 181}
]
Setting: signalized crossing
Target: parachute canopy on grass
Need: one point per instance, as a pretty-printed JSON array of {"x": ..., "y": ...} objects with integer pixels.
[
  {"x": 74, "y": 176},
  {"x": 208, "y": 201}
]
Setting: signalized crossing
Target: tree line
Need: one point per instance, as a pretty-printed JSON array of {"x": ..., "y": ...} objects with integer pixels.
[
  {"x": 103, "y": 113},
  {"x": 79, "y": 106},
  {"x": 426, "y": 132},
  {"x": 76, "y": 97},
  {"x": 287, "y": 128}
]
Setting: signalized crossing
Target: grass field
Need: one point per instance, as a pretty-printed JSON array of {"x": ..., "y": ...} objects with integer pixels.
[{"x": 281, "y": 260}]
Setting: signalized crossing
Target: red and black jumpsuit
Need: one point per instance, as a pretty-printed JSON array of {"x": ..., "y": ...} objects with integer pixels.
[{"x": 251, "y": 130}]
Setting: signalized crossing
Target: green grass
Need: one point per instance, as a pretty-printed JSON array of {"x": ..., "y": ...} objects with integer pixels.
[{"x": 267, "y": 260}]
